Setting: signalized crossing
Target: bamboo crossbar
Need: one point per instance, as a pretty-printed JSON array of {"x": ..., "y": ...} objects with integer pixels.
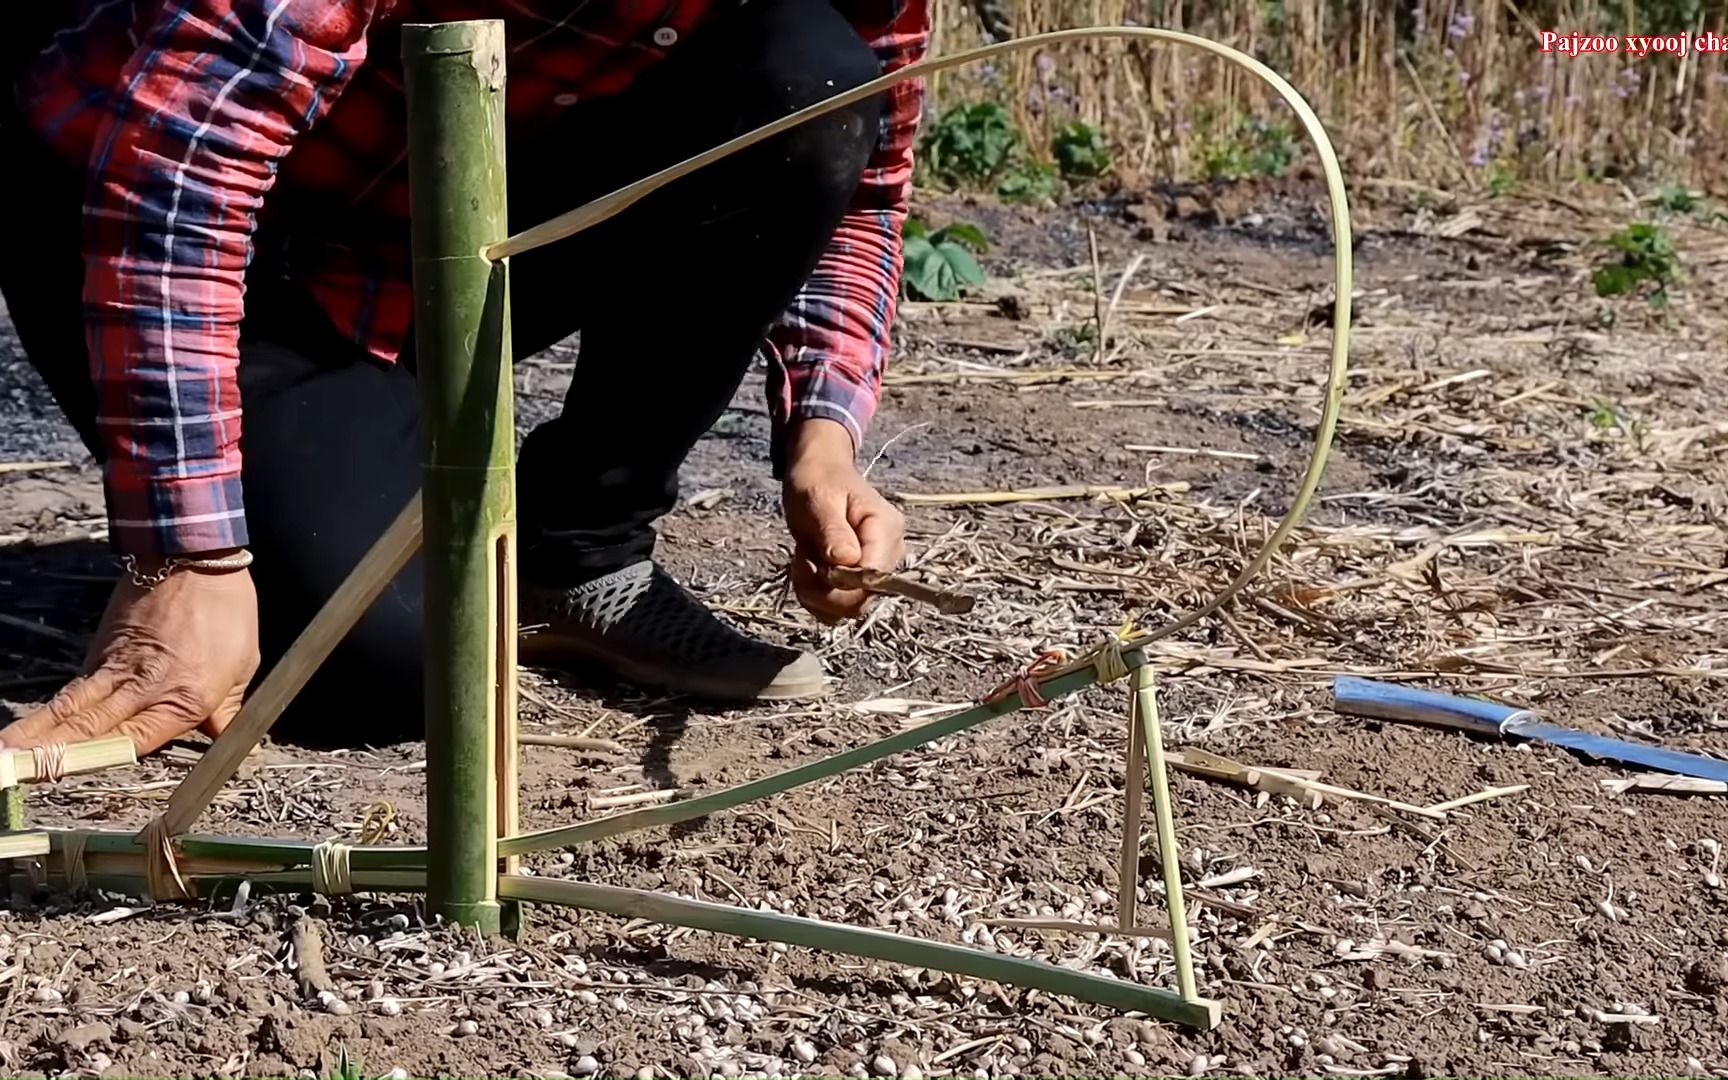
[
  {"x": 703, "y": 805},
  {"x": 69, "y": 759},
  {"x": 865, "y": 941}
]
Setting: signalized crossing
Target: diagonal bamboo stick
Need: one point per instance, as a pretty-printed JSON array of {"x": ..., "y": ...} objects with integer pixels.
[
  {"x": 702, "y": 806},
  {"x": 863, "y": 941},
  {"x": 1134, "y": 784},
  {"x": 1163, "y": 811}
]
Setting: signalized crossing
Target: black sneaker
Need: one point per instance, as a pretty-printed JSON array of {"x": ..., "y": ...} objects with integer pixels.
[{"x": 645, "y": 628}]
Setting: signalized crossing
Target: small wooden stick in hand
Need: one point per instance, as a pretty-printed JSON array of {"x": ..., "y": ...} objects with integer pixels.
[{"x": 947, "y": 601}]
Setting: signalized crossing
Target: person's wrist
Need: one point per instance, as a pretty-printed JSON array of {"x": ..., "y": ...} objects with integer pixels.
[
  {"x": 149, "y": 570},
  {"x": 820, "y": 442}
]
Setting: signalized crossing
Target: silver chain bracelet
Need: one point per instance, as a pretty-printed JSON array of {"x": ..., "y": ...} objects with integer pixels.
[{"x": 141, "y": 580}]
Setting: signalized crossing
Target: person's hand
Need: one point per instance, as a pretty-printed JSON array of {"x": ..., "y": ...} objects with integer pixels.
[
  {"x": 165, "y": 661},
  {"x": 836, "y": 519}
]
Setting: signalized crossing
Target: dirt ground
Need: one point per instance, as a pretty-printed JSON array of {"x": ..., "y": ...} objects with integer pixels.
[{"x": 1527, "y": 499}]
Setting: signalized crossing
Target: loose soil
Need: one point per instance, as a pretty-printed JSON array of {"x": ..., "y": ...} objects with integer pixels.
[{"x": 1527, "y": 500}]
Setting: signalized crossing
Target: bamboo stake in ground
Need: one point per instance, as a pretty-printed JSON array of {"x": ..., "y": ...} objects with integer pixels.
[
  {"x": 454, "y": 79},
  {"x": 1146, "y": 710},
  {"x": 1134, "y": 784}
]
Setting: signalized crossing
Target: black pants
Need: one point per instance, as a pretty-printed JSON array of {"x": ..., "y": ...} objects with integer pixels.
[{"x": 671, "y": 298}]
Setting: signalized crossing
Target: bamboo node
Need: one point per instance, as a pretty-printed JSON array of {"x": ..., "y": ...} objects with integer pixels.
[
  {"x": 331, "y": 874},
  {"x": 161, "y": 873},
  {"x": 72, "y": 846}
]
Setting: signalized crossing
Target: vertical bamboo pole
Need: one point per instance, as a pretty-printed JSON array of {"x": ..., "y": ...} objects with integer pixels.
[
  {"x": 1134, "y": 785},
  {"x": 454, "y": 77},
  {"x": 1146, "y": 706}
]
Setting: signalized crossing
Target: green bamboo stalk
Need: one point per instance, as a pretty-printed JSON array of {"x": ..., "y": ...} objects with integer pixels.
[
  {"x": 702, "y": 806},
  {"x": 1163, "y": 812},
  {"x": 12, "y": 814},
  {"x": 864, "y": 941},
  {"x": 289, "y": 854},
  {"x": 454, "y": 78}
]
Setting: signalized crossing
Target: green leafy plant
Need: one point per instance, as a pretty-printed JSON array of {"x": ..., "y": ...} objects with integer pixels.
[
  {"x": 1080, "y": 151},
  {"x": 940, "y": 265},
  {"x": 1642, "y": 254},
  {"x": 1251, "y": 147},
  {"x": 972, "y": 144},
  {"x": 1030, "y": 182},
  {"x": 1502, "y": 180},
  {"x": 1676, "y": 199}
]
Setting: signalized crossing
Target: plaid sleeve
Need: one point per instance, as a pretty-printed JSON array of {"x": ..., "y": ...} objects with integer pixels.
[
  {"x": 827, "y": 353},
  {"x": 211, "y": 101}
]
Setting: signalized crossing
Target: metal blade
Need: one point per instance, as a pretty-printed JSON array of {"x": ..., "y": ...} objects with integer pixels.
[{"x": 1601, "y": 746}]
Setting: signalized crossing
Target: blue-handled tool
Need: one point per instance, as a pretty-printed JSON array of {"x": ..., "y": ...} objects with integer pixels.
[{"x": 1388, "y": 701}]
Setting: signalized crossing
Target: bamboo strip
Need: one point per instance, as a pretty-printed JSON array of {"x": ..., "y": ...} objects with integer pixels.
[
  {"x": 702, "y": 806},
  {"x": 1480, "y": 796},
  {"x": 23, "y": 845},
  {"x": 262, "y": 851},
  {"x": 947, "y": 601},
  {"x": 863, "y": 941},
  {"x": 370, "y": 576},
  {"x": 1163, "y": 812},
  {"x": 93, "y": 755},
  {"x": 1134, "y": 785}
]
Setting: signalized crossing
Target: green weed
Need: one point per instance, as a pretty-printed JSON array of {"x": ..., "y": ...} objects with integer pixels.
[
  {"x": 1642, "y": 253},
  {"x": 1030, "y": 182},
  {"x": 972, "y": 144},
  {"x": 1252, "y": 147},
  {"x": 1080, "y": 151},
  {"x": 1676, "y": 199},
  {"x": 939, "y": 265}
]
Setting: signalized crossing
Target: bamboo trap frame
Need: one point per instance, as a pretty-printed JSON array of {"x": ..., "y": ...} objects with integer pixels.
[{"x": 464, "y": 520}]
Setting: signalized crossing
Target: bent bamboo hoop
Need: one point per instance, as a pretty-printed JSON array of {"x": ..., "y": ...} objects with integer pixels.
[{"x": 593, "y": 213}]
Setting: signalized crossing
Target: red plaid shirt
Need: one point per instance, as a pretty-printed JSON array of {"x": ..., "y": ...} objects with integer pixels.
[{"x": 183, "y": 113}]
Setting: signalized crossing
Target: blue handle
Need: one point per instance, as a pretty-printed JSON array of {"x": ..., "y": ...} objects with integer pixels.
[{"x": 1388, "y": 701}]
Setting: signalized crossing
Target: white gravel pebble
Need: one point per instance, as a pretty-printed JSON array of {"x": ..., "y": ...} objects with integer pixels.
[
  {"x": 912, "y": 1072},
  {"x": 588, "y": 997},
  {"x": 803, "y": 1050},
  {"x": 181, "y": 997},
  {"x": 568, "y": 1040},
  {"x": 884, "y": 1066},
  {"x": 543, "y": 1018},
  {"x": 467, "y": 1027},
  {"x": 646, "y": 1072},
  {"x": 337, "y": 1007},
  {"x": 398, "y": 1073},
  {"x": 1199, "y": 1065},
  {"x": 1133, "y": 1057},
  {"x": 390, "y": 1007},
  {"x": 586, "y": 1065}
]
